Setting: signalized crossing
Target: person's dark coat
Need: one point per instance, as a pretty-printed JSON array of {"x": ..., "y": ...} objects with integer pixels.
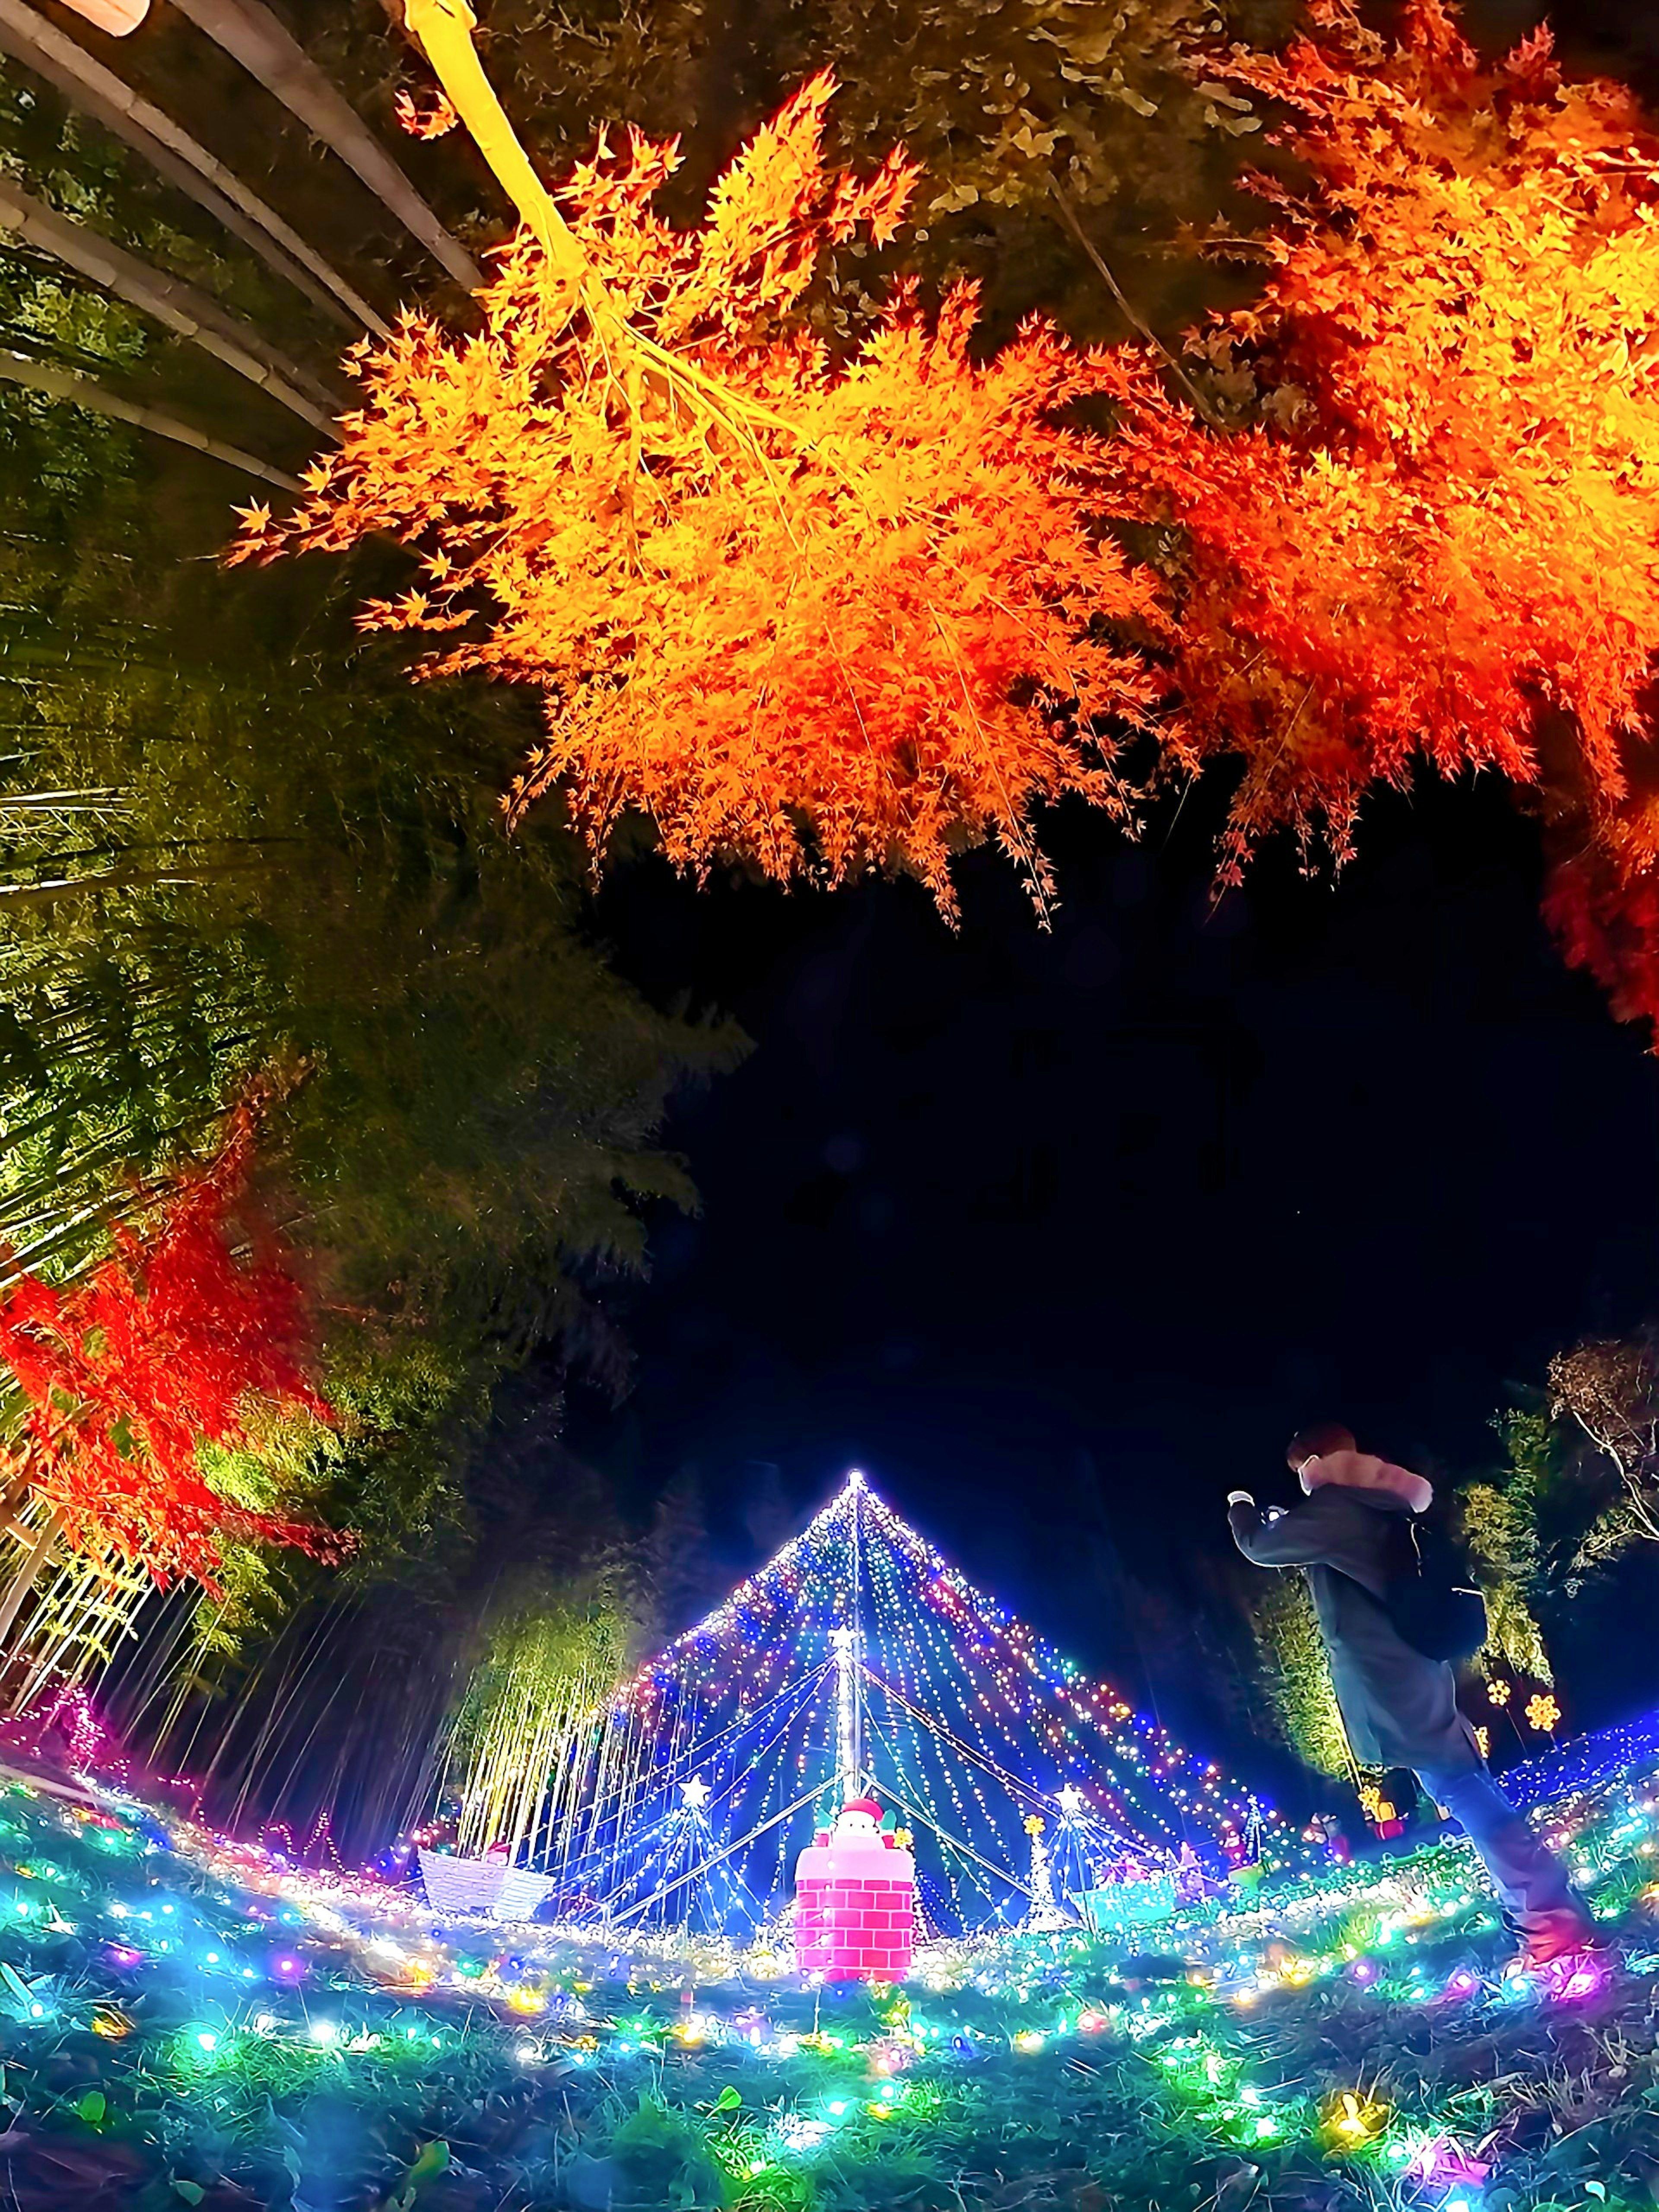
[{"x": 1399, "y": 1708}]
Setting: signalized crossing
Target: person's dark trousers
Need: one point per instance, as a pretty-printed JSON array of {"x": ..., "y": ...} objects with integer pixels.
[{"x": 1531, "y": 1883}]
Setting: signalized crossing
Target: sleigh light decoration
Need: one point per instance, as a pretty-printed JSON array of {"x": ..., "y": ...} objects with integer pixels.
[{"x": 488, "y": 1885}]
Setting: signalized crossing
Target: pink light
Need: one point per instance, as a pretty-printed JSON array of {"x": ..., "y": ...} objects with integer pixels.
[
  {"x": 1463, "y": 1984},
  {"x": 1569, "y": 1979},
  {"x": 1364, "y": 1972},
  {"x": 1444, "y": 2160},
  {"x": 1588, "y": 1976}
]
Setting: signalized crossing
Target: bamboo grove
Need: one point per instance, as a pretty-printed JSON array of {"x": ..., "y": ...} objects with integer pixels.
[{"x": 820, "y": 496}]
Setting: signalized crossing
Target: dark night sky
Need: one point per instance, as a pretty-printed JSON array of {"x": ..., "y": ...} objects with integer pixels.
[{"x": 1060, "y": 1235}]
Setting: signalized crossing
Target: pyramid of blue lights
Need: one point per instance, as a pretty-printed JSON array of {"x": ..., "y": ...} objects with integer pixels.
[{"x": 858, "y": 1659}]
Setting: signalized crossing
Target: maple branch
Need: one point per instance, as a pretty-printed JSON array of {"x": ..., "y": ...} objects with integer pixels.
[
  {"x": 443, "y": 29},
  {"x": 28, "y": 1573},
  {"x": 1073, "y": 222}
]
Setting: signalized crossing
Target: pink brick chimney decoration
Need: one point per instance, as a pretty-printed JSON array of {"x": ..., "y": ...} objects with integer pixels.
[{"x": 855, "y": 1900}]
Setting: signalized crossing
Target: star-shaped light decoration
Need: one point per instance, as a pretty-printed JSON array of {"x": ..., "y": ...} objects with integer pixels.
[
  {"x": 695, "y": 1793},
  {"x": 1070, "y": 1800}
]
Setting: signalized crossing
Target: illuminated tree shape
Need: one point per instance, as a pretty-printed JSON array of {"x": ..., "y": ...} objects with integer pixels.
[
  {"x": 821, "y": 613},
  {"x": 858, "y": 1659},
  {"x": 680, "y": 1873},
  {"x": 171, "y": 1343}
]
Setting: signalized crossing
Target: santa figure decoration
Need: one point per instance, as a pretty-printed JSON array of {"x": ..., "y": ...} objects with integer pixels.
[{"x": 855, "y": 1900}]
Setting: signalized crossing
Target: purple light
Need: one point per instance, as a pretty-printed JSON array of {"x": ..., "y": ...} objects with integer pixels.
[
  {"x": 1571, "y": 1979},
  {"x": 1588, "y": 1976},
  {"x": 1447, "y": 2162},
  {"x": 288, "y": 1970},
  {"x": 1364, "y": 1972}
]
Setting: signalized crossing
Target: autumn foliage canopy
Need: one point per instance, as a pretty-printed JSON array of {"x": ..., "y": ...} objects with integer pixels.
[
  {"x": 171, "y": 1342},
  {"x": 1435, "y": 534},
  {"x": 844, "y": 611},
  {"x": 842, "y": 614}
]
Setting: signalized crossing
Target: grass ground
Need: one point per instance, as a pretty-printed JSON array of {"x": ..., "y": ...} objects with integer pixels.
[{"x": 181, "y": 2023}]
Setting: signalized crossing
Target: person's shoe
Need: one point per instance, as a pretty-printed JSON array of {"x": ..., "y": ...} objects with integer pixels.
[
  {"x": 1562, "y": 1958},
  {"x": 1562, "y": 1936}
]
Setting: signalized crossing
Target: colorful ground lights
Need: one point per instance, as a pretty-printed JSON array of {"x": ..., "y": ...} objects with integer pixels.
[{"x": 183, "y": 2012}]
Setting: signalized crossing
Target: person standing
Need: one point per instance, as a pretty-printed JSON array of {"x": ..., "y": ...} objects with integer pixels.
[{"x": 1399, "y": 1707}]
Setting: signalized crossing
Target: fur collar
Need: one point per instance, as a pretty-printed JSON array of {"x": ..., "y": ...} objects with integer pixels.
[{"x": 1356, "y": 1470}]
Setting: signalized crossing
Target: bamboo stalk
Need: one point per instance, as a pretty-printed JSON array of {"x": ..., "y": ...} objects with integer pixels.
[
  {"x": 174, "y": 155},
  {"x": 120, "y": 18},
  {"x": 276, "y": 1715},
  {"x": 185, "y": 311},
  {"x": 11, "y": 1604},
  {"x": 89, "y": 1599},
  {"x": 55, "y": 888},
  {"x": 251, "y": 35},
  {"x": 42, "y": 376}
]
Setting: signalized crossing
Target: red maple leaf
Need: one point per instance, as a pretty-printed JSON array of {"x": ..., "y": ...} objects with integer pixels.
[{"x": 169, "y": 1343}]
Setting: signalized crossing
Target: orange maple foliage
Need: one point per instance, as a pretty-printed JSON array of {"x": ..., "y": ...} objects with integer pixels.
[
  {"x": 167, "y": 1344},
  {"x": 821, "y": 614},
  {"x": 1439, "y": 536},
  {"x": 431, "y": 118}
]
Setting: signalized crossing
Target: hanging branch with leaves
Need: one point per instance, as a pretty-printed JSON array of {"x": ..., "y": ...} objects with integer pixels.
[
  {"x": 817, "y": 614},
  {"x": 171, "y": 1344},
  {"x": 1432, "y": 533}
]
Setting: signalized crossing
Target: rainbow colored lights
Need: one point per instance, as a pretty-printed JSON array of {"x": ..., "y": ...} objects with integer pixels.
[
  {"x": 966, "y": 1725},
  {"x": 218, "y": 1977}
]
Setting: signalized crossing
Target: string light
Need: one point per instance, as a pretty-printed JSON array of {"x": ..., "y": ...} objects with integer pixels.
[
  {"x": 968, "y": 1722},
  {"x": 197, "y": 1913}
]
